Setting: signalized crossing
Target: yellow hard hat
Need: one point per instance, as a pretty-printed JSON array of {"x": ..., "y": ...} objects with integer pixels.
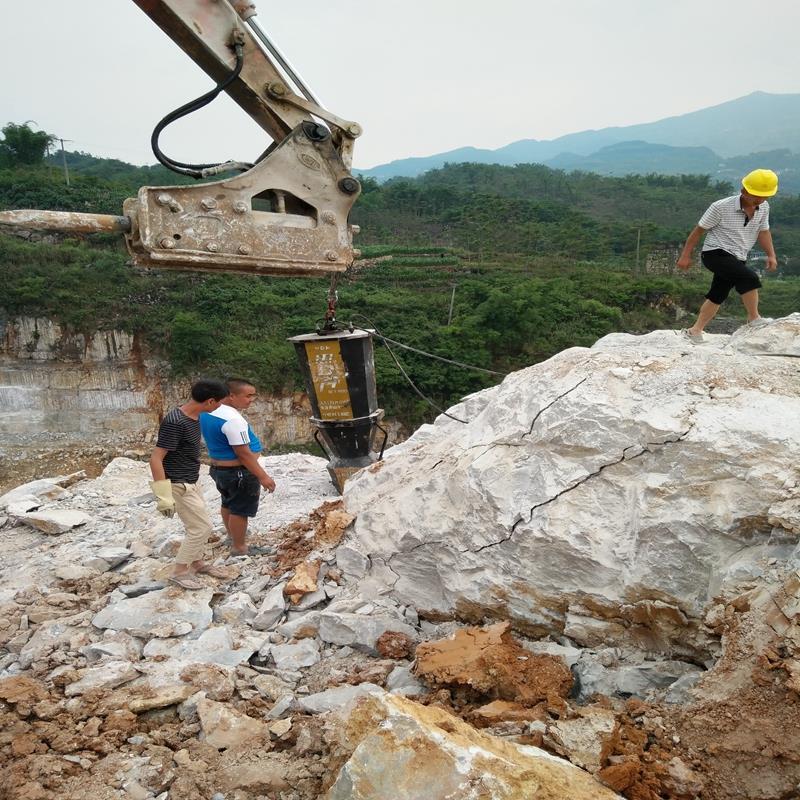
[{"x": 761, "y": 182}]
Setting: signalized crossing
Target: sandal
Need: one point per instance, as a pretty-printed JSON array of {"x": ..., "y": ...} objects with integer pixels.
[
  {"x": 214, "y": 572},
  {"x": 187, "y": 581}
]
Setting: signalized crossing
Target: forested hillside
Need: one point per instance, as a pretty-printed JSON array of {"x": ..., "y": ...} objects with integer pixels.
[{"x": 533, "y": 260}]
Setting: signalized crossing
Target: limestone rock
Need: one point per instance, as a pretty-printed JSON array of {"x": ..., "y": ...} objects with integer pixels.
[
  {"x": 236, "y": 608},
  {"x": 213, "y": 646},
  {"x": 107, "y": 558},
  {"x": 295, "y": 656},
  {"x": 271, "y": 609},
  {"x": 168, "y": 611},
  {"x": 613, "y": 483},
  {"x": 443, "y": 757},
  {"x": 360, "y": 631},
  {"x": 41, "y": 491},
  {"x": 584, "y": 740},
  {"x": 224, "y": 727},
  {"x": 108, "y": 676},
  {"x": 56, "y": 520},
  {"x": 336, "y": 697}
]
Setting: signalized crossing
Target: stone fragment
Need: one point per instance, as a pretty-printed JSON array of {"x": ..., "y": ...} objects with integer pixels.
[
  {"x": 401, "y": 681},
  {"x": 352, "y": 562},
  {"x": 213, "y": 646},
  {"x": 164, "y": 612},
  {"x": 336, "y": 697},
  {"x": 271, "y": 687},
  {"x": 108, "y": 676},
  {"x": 281, "y": 727},
  {"x": 301, "y": 627},
  {"x": 271, "y": 609},
  {"x": 505, "y": 711},
  {"x": 147, "y": 698},
  {"x": 283, "y": 705},
  {"x": 223, "y": 727},
  {"x": 303, "y": 581},
  {"x": 358, "y": 630},
  {"x": 393, "y": 644},
  {"x": 22, "y": 689},
  {"x": 20, "y": 507},
  {"x": 55, "y": 521},
  {"x": 71, "y": 572},
  {"x": 113, "y": 556},
  {"x": 41, "y": 491},
  {"x": 443, "y": 758},
  {"x": 236, "y": 608},
  {"x": 586, "y": 739},
  {"x": 119, "y": 647},
  {"x": 490, "y": 661},
  {"x": 259, "y": 776},
  {"x": 304, "y": 653},
  {"x": 141, "y": 587}
]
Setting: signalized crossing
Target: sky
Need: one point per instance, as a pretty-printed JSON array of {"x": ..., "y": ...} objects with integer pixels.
[{"x": 421, "y": 76}]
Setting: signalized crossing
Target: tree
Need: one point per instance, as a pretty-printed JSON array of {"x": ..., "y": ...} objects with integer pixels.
[{"x": 22, "y": 145}]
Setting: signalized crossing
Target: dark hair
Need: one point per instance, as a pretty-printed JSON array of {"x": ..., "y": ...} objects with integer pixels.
[
  {"x": 208, "y": 390},
  {"x": 235, "y": 385}
]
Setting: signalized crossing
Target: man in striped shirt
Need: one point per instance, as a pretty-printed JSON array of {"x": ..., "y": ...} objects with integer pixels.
[
  {"x": 175, "y": 466},
  {"x": 731, "y": 227}
]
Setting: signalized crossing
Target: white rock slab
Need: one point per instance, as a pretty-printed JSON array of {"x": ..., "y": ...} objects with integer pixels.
[
  {"x": 223, "y": 727},
  {"x": 41, "y": 491},
  {"x": 359, "y": 630},
  {"x": 271, "y": 609},
  {"x": 213, "y": 646},
  {"x": 55, "y": 521},
  {"x": 304, "y": 653},
  {"x": 169, "y": 612},
  {"x": 108, "y": 676},
  {"x": 336, "y": 697}
]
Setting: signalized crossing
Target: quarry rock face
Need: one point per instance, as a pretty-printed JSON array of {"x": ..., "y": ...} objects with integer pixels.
[{"x": 606, "y": 494}]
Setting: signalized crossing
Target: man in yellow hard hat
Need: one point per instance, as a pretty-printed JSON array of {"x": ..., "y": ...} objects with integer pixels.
[{"x": 731, "y": 227}]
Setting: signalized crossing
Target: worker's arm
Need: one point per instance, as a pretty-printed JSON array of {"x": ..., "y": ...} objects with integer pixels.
[
  {"x": 765, "y": 242},
  {"x": 250, "y": 460},
  {"x": 157, "y": 464},
  {"x": 685, "y": 259}
]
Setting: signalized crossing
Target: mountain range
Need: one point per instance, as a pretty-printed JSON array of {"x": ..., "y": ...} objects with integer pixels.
[{"x": 760, "y": 129}]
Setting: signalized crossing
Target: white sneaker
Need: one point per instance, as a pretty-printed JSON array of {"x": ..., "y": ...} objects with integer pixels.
[
  {"x": 757, "y": 323},
  {"x": 694, "y": 338}
]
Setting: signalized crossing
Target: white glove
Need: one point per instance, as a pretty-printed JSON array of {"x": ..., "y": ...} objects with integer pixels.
[{"x": 165, "y": 503}]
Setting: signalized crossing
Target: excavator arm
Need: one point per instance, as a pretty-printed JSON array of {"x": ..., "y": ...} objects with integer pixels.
[{"x": 285, "y": 215}]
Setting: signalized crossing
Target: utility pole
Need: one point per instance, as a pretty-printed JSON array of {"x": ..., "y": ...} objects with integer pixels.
[
  {"x": 64, "y": 161},
  {"x": 638, "y": 240},
  {"x": 452, "y": 300}
]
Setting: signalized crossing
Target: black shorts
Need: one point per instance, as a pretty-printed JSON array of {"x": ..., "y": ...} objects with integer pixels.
[
  {"x": 729, "y": 272},
  {"x": 239, "y": 489}
]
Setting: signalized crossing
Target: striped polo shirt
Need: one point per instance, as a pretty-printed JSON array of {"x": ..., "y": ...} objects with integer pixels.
[
  {"x": 730, "y": 230},
  {"x": 179, "y": 435}
]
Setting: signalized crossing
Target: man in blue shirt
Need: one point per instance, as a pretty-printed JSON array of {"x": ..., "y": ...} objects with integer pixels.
[{"x": 233, "y": 448}]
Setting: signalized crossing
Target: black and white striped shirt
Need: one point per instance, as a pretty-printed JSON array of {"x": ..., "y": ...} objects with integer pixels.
[
  {"x": 180, "y": 435},
  {"x": 729, "y": 228}
]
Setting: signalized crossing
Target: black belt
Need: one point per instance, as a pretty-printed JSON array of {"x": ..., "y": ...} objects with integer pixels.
[{"x": 238, "y": 466}]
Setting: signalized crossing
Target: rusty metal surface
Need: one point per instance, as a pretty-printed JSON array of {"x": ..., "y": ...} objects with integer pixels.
[{"x": 70, "y": 221}]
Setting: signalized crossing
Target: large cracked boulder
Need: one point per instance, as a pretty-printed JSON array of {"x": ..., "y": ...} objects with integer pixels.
[
  {"x": 406, "y": 751},
  {"x": 605, "y": 494}
]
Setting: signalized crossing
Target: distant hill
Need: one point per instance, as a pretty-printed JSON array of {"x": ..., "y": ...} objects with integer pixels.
[{"x": 755, "y": 123}]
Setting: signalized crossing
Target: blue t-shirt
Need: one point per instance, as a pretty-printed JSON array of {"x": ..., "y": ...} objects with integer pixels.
[{"x": 224, "y": 428}]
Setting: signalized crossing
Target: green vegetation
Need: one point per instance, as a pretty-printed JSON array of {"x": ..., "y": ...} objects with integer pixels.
[{"x": 533, "y": 260}]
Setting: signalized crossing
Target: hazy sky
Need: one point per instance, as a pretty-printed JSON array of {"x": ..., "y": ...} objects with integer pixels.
[{"x": 421, "y": 76}]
